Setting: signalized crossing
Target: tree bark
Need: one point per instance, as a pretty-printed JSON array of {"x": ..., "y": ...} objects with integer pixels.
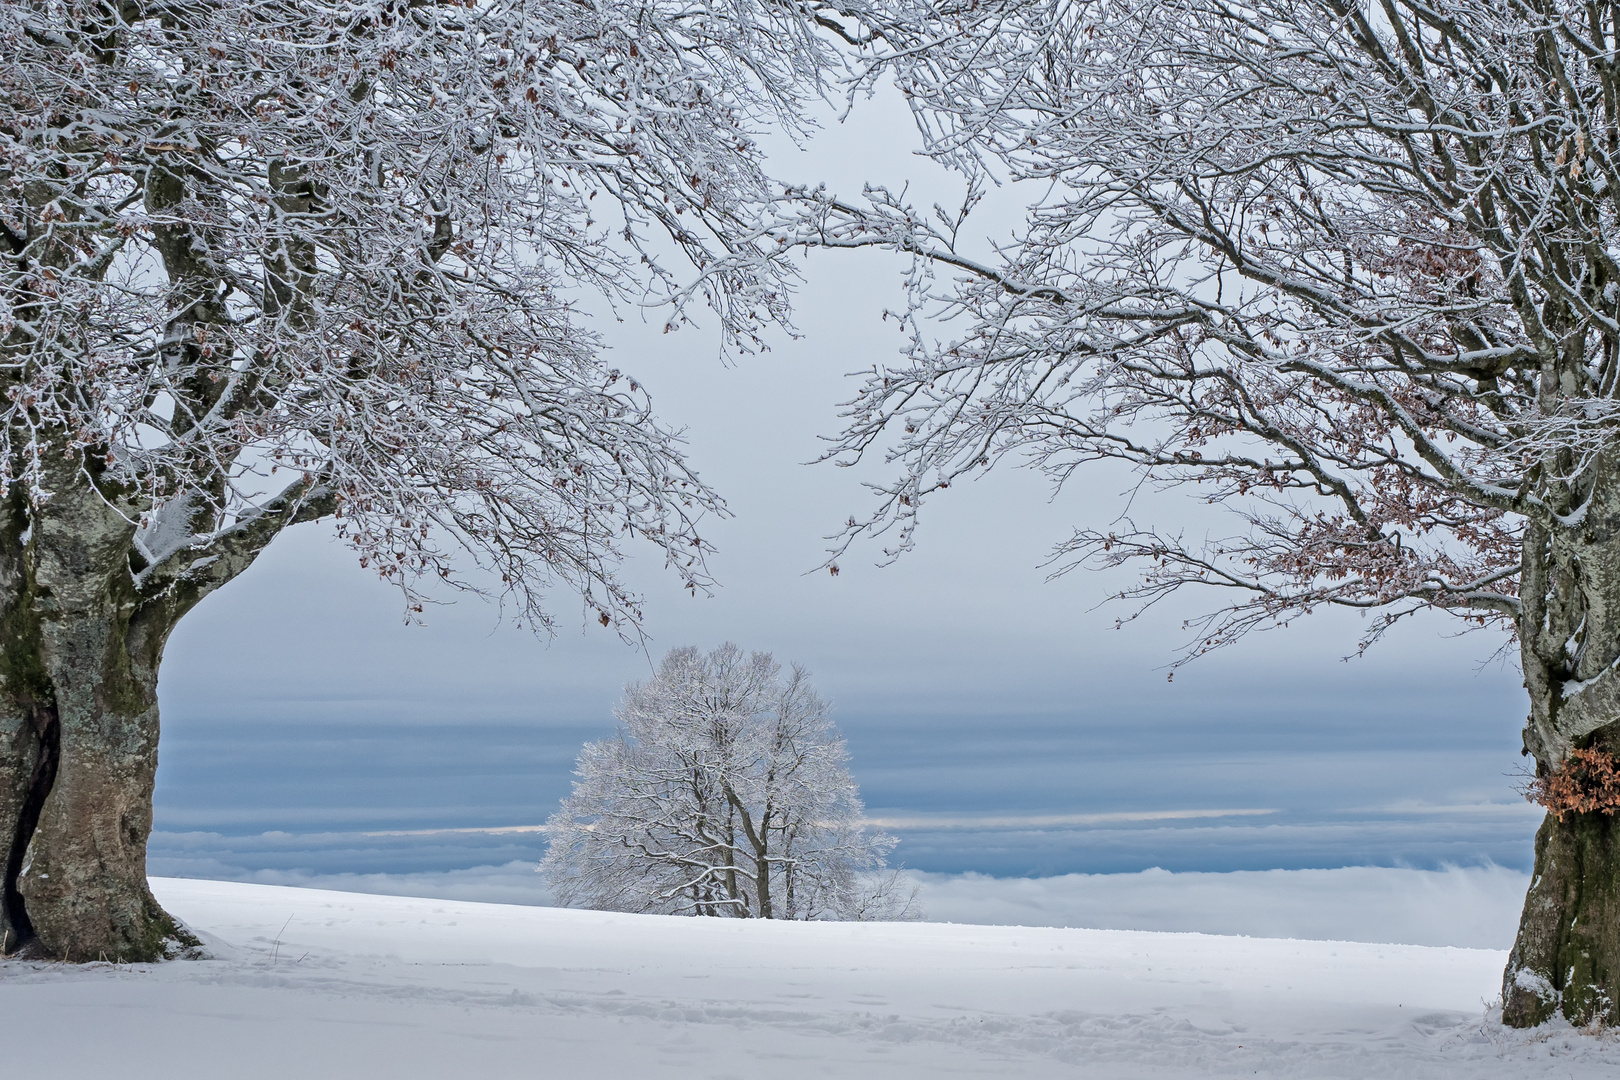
[
  {"x": 78, "y": 684},
  {"x": 1566, "y": 958},
  {"x": 82, "y": 883},
  {"x": 83, "y": 624}
]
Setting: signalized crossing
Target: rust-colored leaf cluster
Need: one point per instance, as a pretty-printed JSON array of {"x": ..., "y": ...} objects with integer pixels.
[{"x": 1587, "y": 782}]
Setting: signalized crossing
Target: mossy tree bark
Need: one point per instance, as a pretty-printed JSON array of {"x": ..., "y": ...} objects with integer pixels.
[
  {"x": 79, "y": 684},
  {"x": 1566, "y": 958},
  {"x": 85, "y": 624}
]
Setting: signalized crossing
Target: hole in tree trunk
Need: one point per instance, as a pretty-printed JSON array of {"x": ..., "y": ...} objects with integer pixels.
[{"x": 48, "y": 731}]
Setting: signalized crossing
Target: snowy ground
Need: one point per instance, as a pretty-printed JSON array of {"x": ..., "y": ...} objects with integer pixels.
[
  {"x": 1475, "y": 907},
  {"x": 313, "y": 984}
]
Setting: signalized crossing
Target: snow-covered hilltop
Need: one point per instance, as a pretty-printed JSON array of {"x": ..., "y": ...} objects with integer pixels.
[{"x": 315, "y": 984}]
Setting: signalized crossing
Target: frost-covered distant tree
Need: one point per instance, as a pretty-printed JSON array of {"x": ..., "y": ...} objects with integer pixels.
[
  {"x": 267, "y": 262},
  {"x": 1352, "y": 269},
  {"x": 725, "y": 792}
]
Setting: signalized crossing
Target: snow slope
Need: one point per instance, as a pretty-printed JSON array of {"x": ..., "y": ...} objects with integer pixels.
[{"x": 314, "y": 984}]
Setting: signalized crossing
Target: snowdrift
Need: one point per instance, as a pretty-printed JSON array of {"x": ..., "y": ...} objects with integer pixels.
[{"x": 314, "y": 984}]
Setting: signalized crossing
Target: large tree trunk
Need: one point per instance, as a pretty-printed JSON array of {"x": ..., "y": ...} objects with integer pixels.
[
  {"x": 1567, "y": 957},
  {"x": 78, "y": 733},
  {"x": 82, "y": 883}
]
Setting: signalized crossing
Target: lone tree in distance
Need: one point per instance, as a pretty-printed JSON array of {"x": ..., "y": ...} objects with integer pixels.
[
  {"x": 262, "y": 263},
  {"x": 1353, "y": 270},
  {"x": 725, "y": 792}
]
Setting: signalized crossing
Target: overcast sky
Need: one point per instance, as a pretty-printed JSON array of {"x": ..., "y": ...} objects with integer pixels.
[{"x": 996, "y": 719}]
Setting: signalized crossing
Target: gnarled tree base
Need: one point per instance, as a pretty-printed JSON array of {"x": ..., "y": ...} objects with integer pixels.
[
  {"x": 74, "y": 818},
  {"x": 152, "y": 935},
  {"x": 78, "y": 760},
  {"x": 1567, "y": 956}
]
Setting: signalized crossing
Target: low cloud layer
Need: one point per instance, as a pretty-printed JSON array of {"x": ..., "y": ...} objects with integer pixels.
[{"x": 1468, "y": 907}]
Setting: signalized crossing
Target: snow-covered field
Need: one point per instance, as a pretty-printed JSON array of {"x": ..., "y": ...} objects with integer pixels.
[
  {"x": 1475, "y": 907},
  {"x": 312, "y": 984}
]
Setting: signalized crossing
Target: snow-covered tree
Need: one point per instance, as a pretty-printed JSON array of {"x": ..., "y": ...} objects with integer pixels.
[
  {"x": 267, "y": 262},
  {"x": 725, "y": 792},
  {"x": 1350, "y": 269}
]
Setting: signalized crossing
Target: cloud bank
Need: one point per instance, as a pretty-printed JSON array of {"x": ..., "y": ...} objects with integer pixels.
[{"x": 1467, "y": 907}]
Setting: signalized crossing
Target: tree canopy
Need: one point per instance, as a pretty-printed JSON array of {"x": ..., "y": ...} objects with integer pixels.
[
  {"x": 725, "y": 792},
  {"x": 271, "y": 261},
  {"x": 1351, "y": 269}
]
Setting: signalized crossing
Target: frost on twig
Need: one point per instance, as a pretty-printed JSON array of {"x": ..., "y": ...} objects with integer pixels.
[
  {"x": 1354, "y": 277},
  {"x": 250, "y": 247}
]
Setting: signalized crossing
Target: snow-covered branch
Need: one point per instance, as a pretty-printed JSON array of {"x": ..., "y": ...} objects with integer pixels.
[
  {"x": 250, "y": 242},
  {"x": 1352, "y": 272}
]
